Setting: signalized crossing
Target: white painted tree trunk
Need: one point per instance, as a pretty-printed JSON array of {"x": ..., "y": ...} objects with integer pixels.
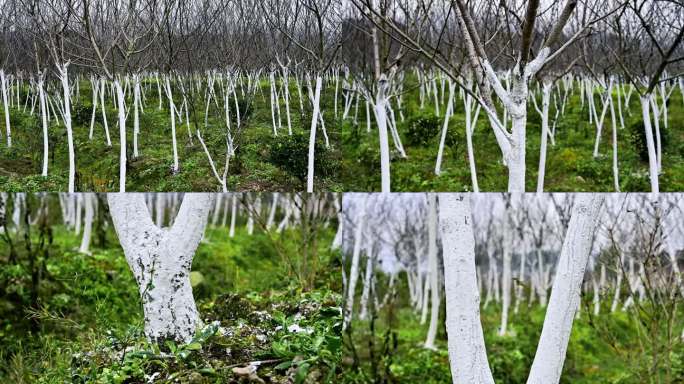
[
  {"x": 274, "y": 101},
  {"x": 161, "y": 259},
  {"x": 121, "y": 106},
  {"x": 546, "y": 98},
  {"x": 434, "y": 271},
  {"x": 62, "y": 69},
  {"x": 95, "y": 85},
  {"x": 78, "y": 198},
  {"x": 652, "y": 158},
  {"x": 423, "y": 296},
  {"x": 172, "y": 108},
  {"x": 233, "y": 215},
  {"x": 272, "y": 212},
  {"x": 445, "y": 128},
  {"x": 470, "y": 128},
  {"x": 381, "y": 118},
  {"x": 5, "y": 103},
  {"x": 312, "y": 135},
  {"x": 103, "y": 89},
  {"x": 656, "y": 128},
  {"x": 136, "y": 113},
  {"x": 467, "y": 352},
  {"x": 44, "y": 120},
  {"x": 565, "y": 294},
  {"x": 354, "y": 271},
  {"x": 337, "y": 241},
  {"x": 88, "y": 200},
  {"x": 286, "y": 93},
  {"x": 506, "y": 278},
  {"x": 516, "y": 159},
  {"x": 599, "y": 121},
  {"x": 616, "y": 173}
]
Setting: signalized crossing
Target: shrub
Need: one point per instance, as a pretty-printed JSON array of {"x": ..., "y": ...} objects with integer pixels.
[
  {"x": 455, "y": 137},
  {"x": 290, "y": 153},
  {"x": 637, "y": 136},
  {"x": 81, "y": 114},
  {"x": 422, "y": 129}
]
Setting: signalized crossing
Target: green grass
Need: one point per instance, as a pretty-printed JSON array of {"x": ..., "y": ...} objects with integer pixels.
[
  {"x": 97, "y": 165},
  {"x": 353, "y": 157},
  {"x": 570, "y": 166}
]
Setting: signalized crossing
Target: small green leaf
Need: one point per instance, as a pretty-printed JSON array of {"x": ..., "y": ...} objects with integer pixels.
[
  {"x": 283, "y": 365},
  {"x": 302, "y": 371},
  {"x": 193, "y": 347}
]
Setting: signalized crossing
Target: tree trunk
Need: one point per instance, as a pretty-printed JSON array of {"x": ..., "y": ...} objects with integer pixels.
[
  {"x": 381, "y": 117},
  {"x": 103, "y": 89},
  {"x": 64, "y": 78},
  {"x": 121, "y": 106},
  {"x": 88, "y": 226},
  {"x": 161, "y": 259},
  {"x": 233, "y": 215},
  {"x": 467, "y": 353},
  {"x": 312, "y": 135},
  {"x": 652, "y": 159},
  {"x": 3, "y": 84},
  {"x": 506, "y": 278},
  {"x": 445, "y": 128},
  {"x": 354, "y": 271},
  {"x": 136, "y": 113},
  {"x": 43, "y": 116},
  {"x": 565, "y": 295},
  {"x": 546, "y": 98},
  {"x": 434, "y": 271}
]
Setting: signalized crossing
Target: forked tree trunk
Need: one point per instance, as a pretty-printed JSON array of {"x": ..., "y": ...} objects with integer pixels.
[
  {"x": 161, "y": 259},
  {"x": 312, "y": 135},
  {"x": 650, "y": 145}
]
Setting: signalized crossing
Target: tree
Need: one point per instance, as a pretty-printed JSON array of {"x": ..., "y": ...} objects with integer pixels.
[{"x": 160, "y": 259}]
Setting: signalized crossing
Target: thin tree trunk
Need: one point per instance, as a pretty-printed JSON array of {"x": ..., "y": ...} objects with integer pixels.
[{"x": 565, "y": 295}]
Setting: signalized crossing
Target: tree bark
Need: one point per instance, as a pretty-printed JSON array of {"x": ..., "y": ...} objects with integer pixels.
[
  {"x": 467, "y": 352},
  {"x": 161, "y": 259},
  {"x": 565, "y": 294}
]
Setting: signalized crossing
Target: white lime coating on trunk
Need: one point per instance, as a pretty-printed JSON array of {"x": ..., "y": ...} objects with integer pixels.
[{"x": 160, "y": 259}]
